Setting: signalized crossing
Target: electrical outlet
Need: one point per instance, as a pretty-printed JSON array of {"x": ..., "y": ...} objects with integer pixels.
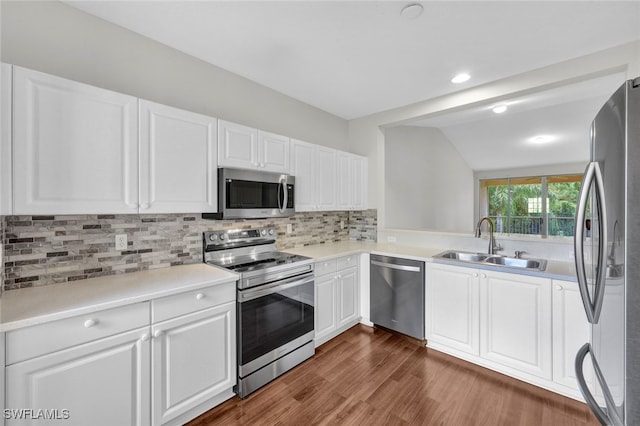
[
  {"x": 121, "y": 242},
  {"x": 289, "y": 228},
  {"x": 342, "y": 224}
]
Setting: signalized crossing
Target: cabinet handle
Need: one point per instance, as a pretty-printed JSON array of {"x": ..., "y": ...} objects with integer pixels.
[
  {"x": 200, "y": 296},
  {"x": 558, "y": 287},
  {"x": 144, "y": 337},
  {"x": 157, "y": 333},
  {"x": 339, "y": 276},
  {"x": 144, "y": 206},
  {"x": 90, "y": 323},
  {"x": 483, "y": 276},
  {"x": 475, "y": 275}
]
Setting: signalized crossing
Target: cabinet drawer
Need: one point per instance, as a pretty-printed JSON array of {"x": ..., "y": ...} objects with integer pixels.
[
  {"x": 192, "y": 301},
  {"x": 53, "y": 336},
  {"x": 326, "y": 267},
  {"x": 347, "y": 262}
]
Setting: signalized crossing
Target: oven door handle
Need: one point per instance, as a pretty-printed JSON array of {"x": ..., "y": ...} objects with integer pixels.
[{"x": 246, "y": 295}]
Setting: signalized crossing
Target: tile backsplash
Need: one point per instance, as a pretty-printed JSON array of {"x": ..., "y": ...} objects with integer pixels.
[{"x": 41, "y": 250}]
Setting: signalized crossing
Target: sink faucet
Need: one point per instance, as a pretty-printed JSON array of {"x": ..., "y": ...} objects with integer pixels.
[{"x": 493, "y": 246}]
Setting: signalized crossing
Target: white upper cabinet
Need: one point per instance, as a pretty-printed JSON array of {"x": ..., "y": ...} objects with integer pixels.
[
  {"x": 314, "y": 168},
  {"x": 5, "y": 140},
  {"x": 248, "y": 148},
  {"x": 178, "y": 166},
  {"x": 75, "y": 147},
  {"x": 273, "y": 152},
  {"x": 351, "y": 188}
]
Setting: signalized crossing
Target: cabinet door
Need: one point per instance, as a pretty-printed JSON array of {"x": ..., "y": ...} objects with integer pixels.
[
  {"x": 303, "y": 168},
  {"x": 6, "y": 207},
  {"x": 105, "y": 382},
  {"x": 194, "y": 359},
  {"x": 453, "y": 303},
  {"x": 75, "y": 147},
  {"x": 344, "y": 183},
  {"x": 325, "y": 309},
  {"x": 515, "y": 318},
  {"x": 273, "y": 152},
  {"x": 347, "y": 296},
  {"x": 178, "y": 165},
  {"x": 571, "y": 330},
  {"x": 325, "y": 178},
  {"x": 359, "y": 183},
  {"x": 237, "y": 145}
]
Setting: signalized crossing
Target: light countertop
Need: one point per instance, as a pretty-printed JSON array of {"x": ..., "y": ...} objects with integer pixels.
[
  {"x": 555, "y": 270},
  {"x": 36, "y": 305}
]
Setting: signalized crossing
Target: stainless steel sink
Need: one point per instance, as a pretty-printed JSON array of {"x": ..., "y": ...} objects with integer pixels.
[
  {"x": 494, "y": 260},
  {"x": 513, "y": 262},
  {"x": 463, "y": 256}
]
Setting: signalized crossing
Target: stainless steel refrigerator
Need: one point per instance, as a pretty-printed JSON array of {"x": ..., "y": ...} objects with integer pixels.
[{"x": 607, "y": 257}]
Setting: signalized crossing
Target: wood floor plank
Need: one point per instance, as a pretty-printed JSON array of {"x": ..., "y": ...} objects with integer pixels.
[{"x": 369, "y": 376}]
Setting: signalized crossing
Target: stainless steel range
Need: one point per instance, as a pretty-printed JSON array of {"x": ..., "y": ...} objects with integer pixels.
[{"x": 275, "y": 301}]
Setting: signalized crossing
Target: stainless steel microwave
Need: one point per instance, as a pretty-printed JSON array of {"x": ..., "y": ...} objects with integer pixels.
[{"x": 252, "y": 194}]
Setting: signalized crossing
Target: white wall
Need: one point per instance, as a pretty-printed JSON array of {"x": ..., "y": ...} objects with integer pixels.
[
  {"x": 55, "y": 38},
  {"x": 428, "y": 184}
]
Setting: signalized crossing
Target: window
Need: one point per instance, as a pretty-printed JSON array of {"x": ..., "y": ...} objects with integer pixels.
[{"x": 537, "y": 205}]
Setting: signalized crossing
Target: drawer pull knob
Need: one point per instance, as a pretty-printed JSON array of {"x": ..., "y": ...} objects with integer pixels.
[
  {"x": 558, "y": 287},
  {"x": 144, "y": 337},
  {"x": 484, "y": 275},
  {"x": 90, "y": 323},
  {"x": 157, "y": 333},
  {"x": 200, "y": 296},
  {"x": 475, "y": 275}
]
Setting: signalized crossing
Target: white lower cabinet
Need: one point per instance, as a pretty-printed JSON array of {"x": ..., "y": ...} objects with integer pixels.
[
  {"x": 115, "y": 367},
  {"x": 337, "y": 297},
  {"x": 194, "y": 360},
  {"x": 453, "y": 306},
  {"x": 527, "y": 327},
  {"x": 97, "y": 382},
  {"x": 571, "y": 330},
  {"x": 515, "y": 322}
]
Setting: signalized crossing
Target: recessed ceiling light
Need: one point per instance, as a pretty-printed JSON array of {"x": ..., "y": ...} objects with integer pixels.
[
  {"x": 460, "y": 78},
  {"x": 411, "y": 11},
  {"x": 540, "y": 139},
  {"x": 499, "y": 109}
]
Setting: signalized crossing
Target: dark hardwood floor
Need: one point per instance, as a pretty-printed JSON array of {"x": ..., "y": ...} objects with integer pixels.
[{"x": 372, "y": 377}]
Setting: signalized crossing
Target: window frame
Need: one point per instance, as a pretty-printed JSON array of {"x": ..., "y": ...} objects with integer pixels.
[{"x": 544, "y": 179}]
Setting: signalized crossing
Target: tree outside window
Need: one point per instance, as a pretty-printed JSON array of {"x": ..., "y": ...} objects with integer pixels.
[{"x": 538, "y": 205}]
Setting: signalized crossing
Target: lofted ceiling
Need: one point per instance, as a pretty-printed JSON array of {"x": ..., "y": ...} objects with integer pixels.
[{"x": 356, "y": 58}]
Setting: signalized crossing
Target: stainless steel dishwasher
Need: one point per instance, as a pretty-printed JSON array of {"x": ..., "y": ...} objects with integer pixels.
[{"x": 397, "y": 294}]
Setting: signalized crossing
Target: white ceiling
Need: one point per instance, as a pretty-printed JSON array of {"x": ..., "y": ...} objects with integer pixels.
[
  {"x": 489, "y": 141},
  {"x": 355, "y": 58}
]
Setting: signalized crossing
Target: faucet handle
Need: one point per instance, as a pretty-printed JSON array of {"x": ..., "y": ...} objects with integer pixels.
[{"x": 519, "y": 253}]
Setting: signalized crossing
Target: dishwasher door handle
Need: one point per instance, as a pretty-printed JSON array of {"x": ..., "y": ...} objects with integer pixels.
[{"x": 398, "y": 267}]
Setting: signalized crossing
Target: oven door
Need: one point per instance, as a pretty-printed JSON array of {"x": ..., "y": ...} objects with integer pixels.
[{"x": 273, "y": 320}]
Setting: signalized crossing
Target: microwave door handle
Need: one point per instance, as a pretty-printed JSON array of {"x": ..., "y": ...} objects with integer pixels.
[
  {"x": 283, "y": 185},
  {"x": 578, "y": 241}
]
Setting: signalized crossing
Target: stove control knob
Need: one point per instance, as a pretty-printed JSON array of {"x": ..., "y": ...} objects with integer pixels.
[
  {"x": 222, "y": 237},
  {"x": 213, "y": 237},
  {"x": 271, "y": 232},
  {"x": 264, "y": 232}
]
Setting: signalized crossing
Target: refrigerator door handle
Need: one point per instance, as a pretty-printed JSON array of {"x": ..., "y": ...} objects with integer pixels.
[
  {"x": 584, "y": 389},
  {"x": 578, "y": 241},
  {"x": 592, "y": 307},
  {"x": 601, "y": 267}
]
